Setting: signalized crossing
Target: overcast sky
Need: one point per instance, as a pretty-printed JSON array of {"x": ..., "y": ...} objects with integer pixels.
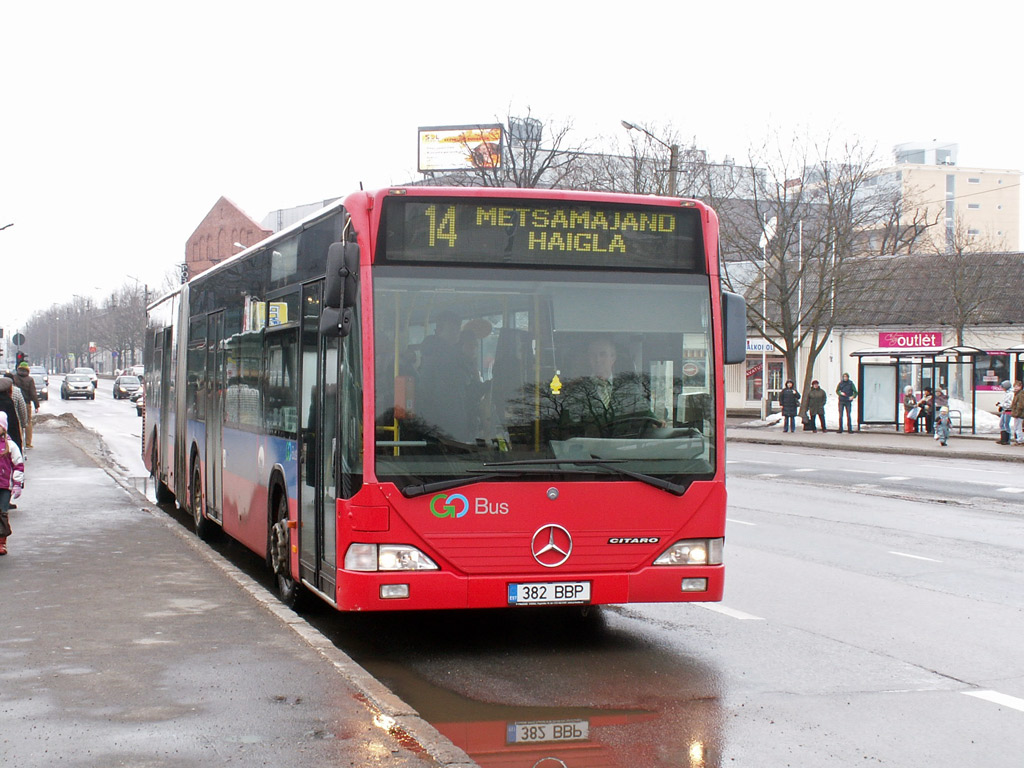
[{"x": 124, "y": 122}]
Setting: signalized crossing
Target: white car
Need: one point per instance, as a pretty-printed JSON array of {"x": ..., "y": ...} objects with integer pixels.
[{"x": 90, "y": 373}]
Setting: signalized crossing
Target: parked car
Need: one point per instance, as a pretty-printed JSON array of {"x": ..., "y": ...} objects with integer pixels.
[
  {"x": 41, "y": 390},
  {"x": 90, "y": 373},
  {"x": 124, "y": 386},
  {"x": 77, "y": 385}
]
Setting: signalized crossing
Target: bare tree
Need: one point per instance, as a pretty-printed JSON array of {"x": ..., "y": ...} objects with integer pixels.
[
  {"x": 967, "y": 290},
  {"x": 787, "y": 245},
  {"x": 903, "y": 222}
]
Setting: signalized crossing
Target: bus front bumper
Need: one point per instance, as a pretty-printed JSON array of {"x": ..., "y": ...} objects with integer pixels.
[{"x": 405, "y": 591}]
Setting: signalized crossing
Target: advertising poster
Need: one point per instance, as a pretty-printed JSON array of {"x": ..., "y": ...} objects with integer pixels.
[{"x": 460, "y": 147}]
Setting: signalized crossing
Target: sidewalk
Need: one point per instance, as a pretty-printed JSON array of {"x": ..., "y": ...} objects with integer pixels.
[
  {"x": 878, "y": 440},
  {"x": 128, "y": 642}
]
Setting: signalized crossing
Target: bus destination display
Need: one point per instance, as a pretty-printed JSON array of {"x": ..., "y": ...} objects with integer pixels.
[{"x": 542, "y": 233}]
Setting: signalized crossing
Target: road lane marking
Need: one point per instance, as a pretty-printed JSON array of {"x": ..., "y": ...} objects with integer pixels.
[
  {"x": 1010, "y": 490},
  {"x": 916, "y": 557},
  {"x": 806, "y": 469},
  {"x": 767, "y": 474},
  {"x": 894, "y": 478},
  {"x": 998, "y": 698},
  {"x": 738, "y": 522},
  {"x": 730, "y": 612}
]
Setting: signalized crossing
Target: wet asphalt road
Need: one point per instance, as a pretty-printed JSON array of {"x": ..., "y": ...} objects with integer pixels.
[{"x": 870, "y": 617}]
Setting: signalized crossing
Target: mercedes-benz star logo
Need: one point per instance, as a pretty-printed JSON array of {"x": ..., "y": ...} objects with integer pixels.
[{"x": 551, "y": 545}]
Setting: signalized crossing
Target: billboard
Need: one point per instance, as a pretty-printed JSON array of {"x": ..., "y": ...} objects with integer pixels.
[{"x": 460, "y": 148}]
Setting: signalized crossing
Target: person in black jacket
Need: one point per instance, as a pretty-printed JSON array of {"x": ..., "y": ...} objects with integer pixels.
[
  {"x": 789, "y": 399},
  {"x": 847, "y": 392},
  {"x": 24, "y": 381},
  {"x": 7, "y": 406}
]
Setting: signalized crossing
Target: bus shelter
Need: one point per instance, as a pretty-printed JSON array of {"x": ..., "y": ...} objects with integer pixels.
[
  {"x": 1016, "y": 362},
  {"x": 883, "y": 373}
]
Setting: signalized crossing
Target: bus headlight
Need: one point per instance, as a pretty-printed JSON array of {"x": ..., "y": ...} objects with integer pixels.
[
  {"x": 387, "y": 557},
  {"x": 693, "y": 552}
]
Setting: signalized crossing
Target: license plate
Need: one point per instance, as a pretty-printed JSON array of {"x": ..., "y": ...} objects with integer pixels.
[
  {"x": 549, "y": 593},
  {"x": 557, "y": 730}
]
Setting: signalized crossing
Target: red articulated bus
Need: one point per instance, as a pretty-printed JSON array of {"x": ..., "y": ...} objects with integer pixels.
[{"x": 432, "y": 398}]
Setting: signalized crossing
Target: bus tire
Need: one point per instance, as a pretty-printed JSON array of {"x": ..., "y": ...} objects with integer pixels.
[
  {"x": 204, "y": 526},
  {"x": 164, "y": 495},
  {"x": 289, "y": 591}
]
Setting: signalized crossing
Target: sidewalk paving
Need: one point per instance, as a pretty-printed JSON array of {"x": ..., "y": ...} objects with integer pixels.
[
  {"x": 127, "y": 642},
  {"x": 877, "y": 440}
]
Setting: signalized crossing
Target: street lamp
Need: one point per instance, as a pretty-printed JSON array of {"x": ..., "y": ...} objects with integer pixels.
[
  {"x": 767, "y": 233},
  {"x": 239, "y": 245},
  {"x": 673, "y": 154}
]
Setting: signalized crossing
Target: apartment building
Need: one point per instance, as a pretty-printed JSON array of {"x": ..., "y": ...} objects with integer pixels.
[{"x": 979, "y": 207}]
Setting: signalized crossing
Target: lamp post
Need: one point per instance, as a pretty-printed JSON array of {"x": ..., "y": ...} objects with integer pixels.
[
  {"x": 767, "y": 233},
  {"x": 673, "y": 154}
]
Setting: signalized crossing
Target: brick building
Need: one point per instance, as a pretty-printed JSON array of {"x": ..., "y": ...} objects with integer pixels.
[{"x": 215, "y": 237}]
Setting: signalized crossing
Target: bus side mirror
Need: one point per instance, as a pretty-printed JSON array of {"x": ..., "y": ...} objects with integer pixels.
[
  {"x": 342, "y": 275},
  {"x": 336, "y": 321},
  {"x": 734, "y": 328}
]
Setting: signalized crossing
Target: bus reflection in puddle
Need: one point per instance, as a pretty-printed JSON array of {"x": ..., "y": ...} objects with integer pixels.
[{"x": 607, "y": 740}]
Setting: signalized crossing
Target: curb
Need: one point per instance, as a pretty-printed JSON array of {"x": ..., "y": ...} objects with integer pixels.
[{"x": 853, "y": 446}]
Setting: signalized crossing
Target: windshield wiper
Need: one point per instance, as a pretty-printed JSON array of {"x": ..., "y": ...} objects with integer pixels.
[
  {"x": 608, "y": 464},
  {"x": 444, "y": 485}
]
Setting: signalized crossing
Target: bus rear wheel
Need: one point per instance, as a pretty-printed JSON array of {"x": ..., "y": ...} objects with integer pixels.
[
  {"x": 289, "y": 590},
  {"x": 164, "y": 495},
  {"x": 203, "y": 525}
]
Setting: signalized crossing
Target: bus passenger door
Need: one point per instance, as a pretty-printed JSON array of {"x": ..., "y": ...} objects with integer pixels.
[
  {"x": 317, "y": 539},
  {"x": 215, "y": 382}
]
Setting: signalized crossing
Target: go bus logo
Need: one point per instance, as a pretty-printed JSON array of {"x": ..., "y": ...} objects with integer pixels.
[{"x": 457, "y": 505}]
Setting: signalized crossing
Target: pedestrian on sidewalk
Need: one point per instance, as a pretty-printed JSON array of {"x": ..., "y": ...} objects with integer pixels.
[
  {"x": 12, "y": 472},
  {"x": 847, "y": 392},
  {"x": 1005, "y": 417},
  {"x": 24, "y": 381},
  {"x": 927, "y": 406},
  {"x": 816, "y": 399},
  {"x": 8, "y": 407},
  {"x": 789, "y": 399},
  {"x": 1017, "y": 412},
  {"x": 19, "y": 404},
  {"x": 942, "y": 425},
  {"x": 910, "y": 410}
]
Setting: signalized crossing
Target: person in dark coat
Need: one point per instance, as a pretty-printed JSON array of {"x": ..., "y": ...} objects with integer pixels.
[
  {"x": 815, "y": 405},
  {"x": 24, "y": 381},
  {"x": 789, "y": 399},
  {"x": 927, "y": 406},
  {"x": 7, "y": 406},
  {"x": 847, "y": 392}
]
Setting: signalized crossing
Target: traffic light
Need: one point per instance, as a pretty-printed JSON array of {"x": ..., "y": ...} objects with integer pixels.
[{"x": 21, "y": 358}]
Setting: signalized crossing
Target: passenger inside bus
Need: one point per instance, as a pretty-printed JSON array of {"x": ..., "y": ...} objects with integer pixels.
[{"x": 448, "y": 389}]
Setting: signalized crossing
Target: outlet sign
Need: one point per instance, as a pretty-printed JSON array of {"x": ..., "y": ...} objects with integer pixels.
[{"x": 910, "y": 339}]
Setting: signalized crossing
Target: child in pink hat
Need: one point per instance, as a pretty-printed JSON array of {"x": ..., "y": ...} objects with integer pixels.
[{"x": 12, "y": 474}]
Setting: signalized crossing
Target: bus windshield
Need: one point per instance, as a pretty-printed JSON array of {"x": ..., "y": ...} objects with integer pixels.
[{"x": 518, "y": 374}]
